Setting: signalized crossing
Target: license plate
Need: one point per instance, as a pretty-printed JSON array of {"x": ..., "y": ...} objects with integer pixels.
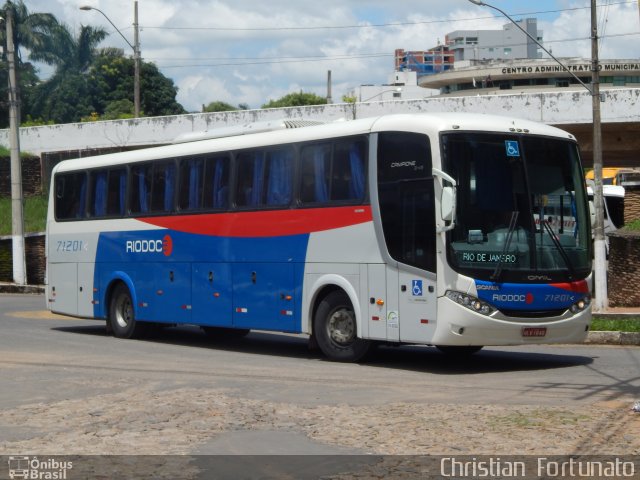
[{"x": 534, "y": 331}]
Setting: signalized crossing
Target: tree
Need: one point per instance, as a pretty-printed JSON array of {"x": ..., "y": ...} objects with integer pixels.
[
  {"x": 111, "y": 80},
  {"x": 297, "y": 99},
  {"x": 30, "y": 31},
  {"x": 218, "y": 106},
  {"x": 65, "y": 97}
]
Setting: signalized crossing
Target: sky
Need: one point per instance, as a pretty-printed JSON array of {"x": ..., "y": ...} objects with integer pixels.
[{"x": 249, "y": 52}]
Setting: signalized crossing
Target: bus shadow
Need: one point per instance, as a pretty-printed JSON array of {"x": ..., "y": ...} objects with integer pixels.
[
  {"x": 488, "y": 360},
  {"x": 408, "y": 357}
]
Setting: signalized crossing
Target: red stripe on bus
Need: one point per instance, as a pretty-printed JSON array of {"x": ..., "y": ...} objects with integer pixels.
[
  {"x": 580, "y": 286},
  {"x": 271, "y": 223}
]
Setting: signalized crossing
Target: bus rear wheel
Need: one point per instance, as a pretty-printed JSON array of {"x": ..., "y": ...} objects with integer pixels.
[
  {"x": 121, "y": 314},
  {"x": 335, "y": 329}
]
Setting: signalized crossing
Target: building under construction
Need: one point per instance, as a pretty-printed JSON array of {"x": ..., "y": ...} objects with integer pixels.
[{"x": 424, "y": 62}]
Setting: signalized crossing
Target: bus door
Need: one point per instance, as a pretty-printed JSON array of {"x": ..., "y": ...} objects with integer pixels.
[
  {"x": 212, "y": 294},
  {"x": 417, "y": 307},
  {"x": 263, "y": 296}
]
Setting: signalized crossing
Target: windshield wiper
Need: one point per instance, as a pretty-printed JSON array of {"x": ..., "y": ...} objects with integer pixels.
[
  {"x": 512, "y": 227},
  {"x": 561, "y": 250}
]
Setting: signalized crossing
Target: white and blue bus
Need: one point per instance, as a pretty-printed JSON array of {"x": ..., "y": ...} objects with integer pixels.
[{"x": 420, "y": 229}]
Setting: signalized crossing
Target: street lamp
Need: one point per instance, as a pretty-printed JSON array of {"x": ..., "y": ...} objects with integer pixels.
[
  {"x": 356, "y": 101},
  {"x": 136, "y": 53},
  {"x": 600, "y": 269}
]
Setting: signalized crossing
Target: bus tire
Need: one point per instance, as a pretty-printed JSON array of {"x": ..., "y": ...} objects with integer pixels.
[
  {"x": 459, "y": 351},
  {"x": 335, "y": 329},
  {"x": 121, "y": 314}
]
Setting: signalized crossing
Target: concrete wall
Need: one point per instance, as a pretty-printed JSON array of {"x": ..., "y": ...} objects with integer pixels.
[{"x": 572, "y": 107}]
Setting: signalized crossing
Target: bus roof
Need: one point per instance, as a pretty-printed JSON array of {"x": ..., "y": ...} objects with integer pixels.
[{"x": 430, "y": 123}]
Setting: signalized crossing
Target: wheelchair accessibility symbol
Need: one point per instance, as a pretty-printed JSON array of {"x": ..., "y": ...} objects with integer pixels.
[
  {"x": 513, "y": 149},
  {"x": 416, "y": 288}
]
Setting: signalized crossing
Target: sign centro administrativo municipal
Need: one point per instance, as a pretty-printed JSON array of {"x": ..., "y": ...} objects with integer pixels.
[{"x": 575, "y": 68}]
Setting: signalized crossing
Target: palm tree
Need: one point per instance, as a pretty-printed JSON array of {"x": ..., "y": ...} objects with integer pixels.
[
  {"x": 64, "y": 97},
  {"x": 30, "y": 31},
  {"x": 66, "y": 53}
]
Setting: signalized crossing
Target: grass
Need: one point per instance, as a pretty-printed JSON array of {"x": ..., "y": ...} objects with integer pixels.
[
  {"x": 35, "y": 214},
  {"x": 633, "y": 226},
  {"x": 600, "y": 324}
]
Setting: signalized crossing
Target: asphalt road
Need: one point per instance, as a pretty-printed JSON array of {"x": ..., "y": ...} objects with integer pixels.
[{"x": 275, "y": 395}]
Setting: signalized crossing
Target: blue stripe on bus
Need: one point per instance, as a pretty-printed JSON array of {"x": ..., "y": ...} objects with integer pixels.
[{"x": 220, "y": 281}]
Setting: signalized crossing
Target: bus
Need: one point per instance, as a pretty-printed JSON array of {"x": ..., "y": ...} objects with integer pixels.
[{"x": 400, "y": 229}]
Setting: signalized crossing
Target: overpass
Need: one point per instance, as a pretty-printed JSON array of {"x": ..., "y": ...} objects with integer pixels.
[{"x": 570, "y": 110}]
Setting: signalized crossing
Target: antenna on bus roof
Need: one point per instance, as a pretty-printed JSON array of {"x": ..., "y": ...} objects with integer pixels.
[{"x": 245, "y": 129}]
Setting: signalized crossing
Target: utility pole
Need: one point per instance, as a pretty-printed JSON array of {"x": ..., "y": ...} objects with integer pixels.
[
  {"x": 136, "y": 52},
  {"x": 136, "y": 62},
  {"x": 17, "y": 221},
  {"x": 600, "y": 256},
  {"x": 329, "y": 99}
]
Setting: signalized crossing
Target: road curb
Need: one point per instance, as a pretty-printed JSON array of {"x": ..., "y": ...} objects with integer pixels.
[
  {"x": 613, "y": 338},
  {"x": 24, "y": 289}
]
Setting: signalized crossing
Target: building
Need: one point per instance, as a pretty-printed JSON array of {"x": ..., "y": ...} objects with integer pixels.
[
  {"x": 508, "y": 43},
  {"x": 424, "y": 62},
  {"x": 486, "y": 77},
  {"x": 401, "y": 86}
]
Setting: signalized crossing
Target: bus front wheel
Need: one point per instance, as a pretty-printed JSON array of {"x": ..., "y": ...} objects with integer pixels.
[
  {"x": 335, "y": 329},
  {"x": 121, "y": 314}
]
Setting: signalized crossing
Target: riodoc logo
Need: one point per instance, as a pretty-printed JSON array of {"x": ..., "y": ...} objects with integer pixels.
[
  {"x": 517, "y": 298},
  {"x": 164, "y": 246}
]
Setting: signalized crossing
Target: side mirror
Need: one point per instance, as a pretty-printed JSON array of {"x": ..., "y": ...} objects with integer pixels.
[{"x": 447, "y": 202}]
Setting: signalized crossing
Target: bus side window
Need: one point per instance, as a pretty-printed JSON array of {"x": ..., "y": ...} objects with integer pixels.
[
  {"x": 140, "y": 193},
  {"x": 71, "y": 196},
  {"x": 116, "y": 192},
  {"x": 315, "y": 163},
  {"x": 348, "y": 172},
  {"x": 280, "y": 176},
  {"x": 249, "y": 185},
  {"x": 216, "y": 183},
  {"x": 163, "y": 187},
  {"x": 191, "y": 186},
  {"x": 333, "y": 173},
  {"x": 98, "y": 201}
]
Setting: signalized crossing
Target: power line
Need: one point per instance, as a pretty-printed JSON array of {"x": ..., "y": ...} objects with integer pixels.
[
  {"x": 373, "y": 25},
  {"x": 320, "y": 58}
]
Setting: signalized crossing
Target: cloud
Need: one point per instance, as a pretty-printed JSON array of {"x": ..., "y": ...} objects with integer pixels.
[{"x": 245, "y": 51}]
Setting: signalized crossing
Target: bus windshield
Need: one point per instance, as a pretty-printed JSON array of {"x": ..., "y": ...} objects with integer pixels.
[{"x": 521, "y": 211}]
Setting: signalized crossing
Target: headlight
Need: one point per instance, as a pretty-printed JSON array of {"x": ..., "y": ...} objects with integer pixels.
[
  {"x": 470, "y": 302},
  {"x": 581, "y": 304}
]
